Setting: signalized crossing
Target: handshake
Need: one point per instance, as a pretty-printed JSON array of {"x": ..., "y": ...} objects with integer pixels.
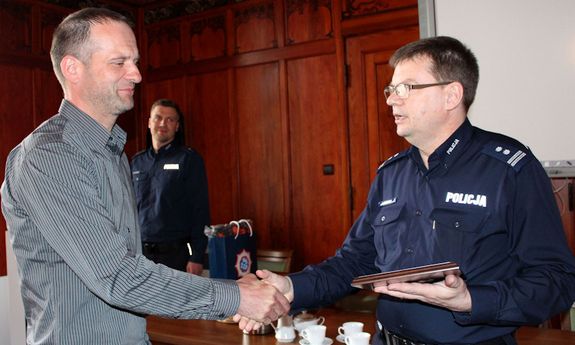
[{"x": 262, "y": 301}]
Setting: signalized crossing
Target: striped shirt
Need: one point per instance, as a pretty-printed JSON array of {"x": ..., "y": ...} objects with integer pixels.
[{"x": 70, "y": 209}]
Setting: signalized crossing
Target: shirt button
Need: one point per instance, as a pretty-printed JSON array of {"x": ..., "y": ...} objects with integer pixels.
[
  {"x": 418, "y": 213},
  {"x": 409, "y": 250},
  {"x": 456, "y": 224},
  {"x": 382, "y": 218}
]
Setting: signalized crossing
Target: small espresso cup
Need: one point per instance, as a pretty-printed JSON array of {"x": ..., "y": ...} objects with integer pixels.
[
  {"x": 315, "y": 334},
  {"x": 349, "y": 328},
  {"x": 360, "y": 338}
]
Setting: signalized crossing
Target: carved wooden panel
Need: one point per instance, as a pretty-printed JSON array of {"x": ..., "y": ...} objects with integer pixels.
[
  {"x": 354, "y": 8},
  {"x": 163, "y": 44},
  {"x": 205, "y": 39},
  {"x": 262, "y": 168},
  {"x": 308, "y": 20},
  {"x": 254, "y": 28},
  {"x": 318, "y": 156},
  {"x": 15, "y": 28}
]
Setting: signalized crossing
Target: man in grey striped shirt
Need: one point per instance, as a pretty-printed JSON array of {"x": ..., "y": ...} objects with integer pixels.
[{"x": 70, "y": 209}]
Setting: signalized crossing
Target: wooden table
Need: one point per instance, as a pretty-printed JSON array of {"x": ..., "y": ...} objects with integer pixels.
[{"x": 201, "y": 332}]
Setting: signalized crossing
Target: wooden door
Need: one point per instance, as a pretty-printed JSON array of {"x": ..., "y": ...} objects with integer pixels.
[{"x": 372, "y": 130}]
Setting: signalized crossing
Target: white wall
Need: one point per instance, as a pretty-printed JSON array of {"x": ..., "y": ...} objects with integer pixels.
[{"x": 526, "y": 53}]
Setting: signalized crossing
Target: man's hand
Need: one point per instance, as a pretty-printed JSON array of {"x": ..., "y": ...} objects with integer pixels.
[
  {"x": 451, "y": 293},
  {"x": 194, "y": 268},
  {"x": 260, "y": 303}
]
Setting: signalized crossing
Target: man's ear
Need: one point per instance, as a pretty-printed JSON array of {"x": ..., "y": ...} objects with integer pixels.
[
  {"x": 454, "y": 95},
  {"x": 71, "y": 68}
]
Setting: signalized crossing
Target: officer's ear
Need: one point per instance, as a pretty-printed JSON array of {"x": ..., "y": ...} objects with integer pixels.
[{"x": 453, "y": 95}]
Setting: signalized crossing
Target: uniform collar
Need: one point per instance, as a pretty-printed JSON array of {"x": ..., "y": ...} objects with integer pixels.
[
  {"x": 164, "y": 149},
  {"x": 93, "y": 135},
  {"x": 447, "y": 152}
]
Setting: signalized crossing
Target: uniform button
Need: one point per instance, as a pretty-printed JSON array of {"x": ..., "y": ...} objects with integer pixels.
[
  {"x": 418, "y": 213},
  {"x": 409, "y": 250},
  {"x": 382, "y": 218},
  {"x": 456, "y": 224}
]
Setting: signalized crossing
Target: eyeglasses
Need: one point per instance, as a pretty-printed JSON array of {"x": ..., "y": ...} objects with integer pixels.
[{"x": 402, "y": 90}]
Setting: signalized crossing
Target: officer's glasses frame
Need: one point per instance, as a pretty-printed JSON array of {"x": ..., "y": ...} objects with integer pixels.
[{"x": 402, "y": 90}]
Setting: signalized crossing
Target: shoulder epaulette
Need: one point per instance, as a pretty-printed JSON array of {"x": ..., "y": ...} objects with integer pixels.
[
  {"x": 392, "y": 159},
  {"x": 514, "y": 157}
]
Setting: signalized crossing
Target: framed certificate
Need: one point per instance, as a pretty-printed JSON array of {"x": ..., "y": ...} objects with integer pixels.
[{"x": 420, "y": 274}]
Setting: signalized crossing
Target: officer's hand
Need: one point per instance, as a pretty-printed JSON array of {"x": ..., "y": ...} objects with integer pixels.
[
  {"x": 451, "y": 293},
  {"x": 194, "y": 268},
  {"x": 283, "y": 284}
]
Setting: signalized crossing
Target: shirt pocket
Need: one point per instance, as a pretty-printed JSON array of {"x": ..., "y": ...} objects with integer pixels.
[
  {"x": 457, "y": 233},
  {"x": 388, "y": 226},
  {"x": 141, "y": 182}
]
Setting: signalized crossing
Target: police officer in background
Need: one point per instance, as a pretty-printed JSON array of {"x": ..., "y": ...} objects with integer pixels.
[
  {"x": 459, "y": 194},
  {"x": 171, "y": 192}
]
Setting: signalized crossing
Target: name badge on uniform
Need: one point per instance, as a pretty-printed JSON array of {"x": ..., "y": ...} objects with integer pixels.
[
  {"x": 171, "y": 167},
  {"x": 388, "y": 202}
]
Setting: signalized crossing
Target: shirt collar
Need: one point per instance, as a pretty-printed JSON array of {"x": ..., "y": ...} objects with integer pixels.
[
  {"x": 94, "y": 135},
  {"x": 448, "y": 151}
]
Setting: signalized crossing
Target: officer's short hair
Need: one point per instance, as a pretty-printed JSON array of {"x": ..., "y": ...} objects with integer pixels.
[{"x": 451, "y": 61}]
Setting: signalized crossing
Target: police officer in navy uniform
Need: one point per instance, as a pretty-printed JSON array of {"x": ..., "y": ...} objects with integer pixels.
[
  {"x": 459, "y": 194},
  {"x": 172, "y": 193}
]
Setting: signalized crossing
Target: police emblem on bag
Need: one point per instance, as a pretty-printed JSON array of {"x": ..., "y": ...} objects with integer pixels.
[{"x": 243, "y": 263}]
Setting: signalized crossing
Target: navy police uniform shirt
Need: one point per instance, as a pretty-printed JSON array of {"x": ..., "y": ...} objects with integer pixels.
[
  {"x": 485, "y": 203},
  {"x": 172, "y": 197}
]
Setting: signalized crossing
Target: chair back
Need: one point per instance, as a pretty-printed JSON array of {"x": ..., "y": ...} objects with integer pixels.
[{"x": 278, "y": 261}]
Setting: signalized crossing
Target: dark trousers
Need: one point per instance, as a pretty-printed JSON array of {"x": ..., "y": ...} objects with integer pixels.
[
  {"x": 380, "y": 339},
  {"x": 174, "y": 255}
]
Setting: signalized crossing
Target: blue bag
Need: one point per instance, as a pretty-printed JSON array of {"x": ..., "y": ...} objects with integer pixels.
[{"x": 231, "y": 249}]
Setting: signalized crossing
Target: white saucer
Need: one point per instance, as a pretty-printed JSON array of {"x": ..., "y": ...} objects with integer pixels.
[
  {"x": 326, "y": 341},
  {"x": 340, "y": 338}
]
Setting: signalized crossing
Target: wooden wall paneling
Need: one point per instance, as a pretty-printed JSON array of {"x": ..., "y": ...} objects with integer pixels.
[
  {"x": 210, "y": 129},
  {"x": 254, "y": 27},
  {"x": 16, "y": 120},
  {"x": 308, "y": 20},
  {"x": 163, "y": 45},
  {"x": 403, "y": 16},
  {"x": 47, "y": 95},
  {"x": 383, "y": 141},
  {"x": 320, "y": 200},
  {"x": 369, "y": 129},
  {"x": 15, "y": 28},
  {"x": 205, "y": 38},
  {"x": 262, "y": 171},
  {"x": 357, "y": 8},
  {"x": 49, "y": 20}
]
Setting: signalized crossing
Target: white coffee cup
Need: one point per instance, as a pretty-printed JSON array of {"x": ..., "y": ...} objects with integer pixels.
[
  {"x": 314, "y": 334},
  {"x": 285, "y": 334},
  {"x": 300, "y": 325},
  {"x": 349, "y": 328},
  {"x": 360, "y": 338}
]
